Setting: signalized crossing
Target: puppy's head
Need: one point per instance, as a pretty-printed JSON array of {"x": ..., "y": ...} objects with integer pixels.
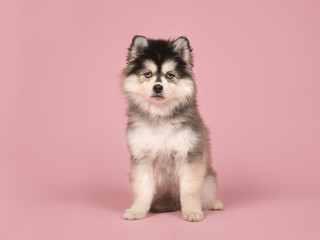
[{"x": 159, "y": 76}]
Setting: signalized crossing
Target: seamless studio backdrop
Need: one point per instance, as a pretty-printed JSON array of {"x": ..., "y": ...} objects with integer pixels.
[{"x": 64, "y": 163}]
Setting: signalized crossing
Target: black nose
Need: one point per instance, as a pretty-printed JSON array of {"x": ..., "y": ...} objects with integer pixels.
[{"x": 157, "y": 88}]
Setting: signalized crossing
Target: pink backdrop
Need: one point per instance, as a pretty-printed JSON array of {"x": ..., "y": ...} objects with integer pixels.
[{"x": 63, "y": 156}]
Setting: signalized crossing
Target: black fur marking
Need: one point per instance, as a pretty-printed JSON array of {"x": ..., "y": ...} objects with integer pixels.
[
  {"x": 158, "y": 76},
  {"x": 159, "y": 51}
]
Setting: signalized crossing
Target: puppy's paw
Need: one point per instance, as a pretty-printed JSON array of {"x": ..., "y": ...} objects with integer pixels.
[
  {"x": 215, "y": 205},
  {"x": 131, "y": 214},
  {"x": 192, "y": 216}
]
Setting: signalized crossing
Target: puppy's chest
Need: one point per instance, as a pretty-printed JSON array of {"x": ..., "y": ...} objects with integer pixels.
[{"x": 146, "y": 140}]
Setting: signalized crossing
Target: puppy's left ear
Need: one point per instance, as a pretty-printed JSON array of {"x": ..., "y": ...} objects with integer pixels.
[{"x": 181, "y": 45}]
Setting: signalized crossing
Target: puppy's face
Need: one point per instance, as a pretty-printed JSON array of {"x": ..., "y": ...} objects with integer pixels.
[{"x": 159, "y": 72}]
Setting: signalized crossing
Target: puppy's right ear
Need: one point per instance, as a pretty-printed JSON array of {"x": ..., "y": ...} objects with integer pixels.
[{"x": 137, "y": 45}]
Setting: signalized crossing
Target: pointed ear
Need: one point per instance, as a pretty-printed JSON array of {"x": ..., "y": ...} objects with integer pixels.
[
  {"x": 137, "y": 45},
  {"x": 181, "y": 45}
]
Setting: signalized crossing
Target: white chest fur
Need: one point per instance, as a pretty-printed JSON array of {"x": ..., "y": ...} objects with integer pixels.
[{"x": 147, "y": 140}]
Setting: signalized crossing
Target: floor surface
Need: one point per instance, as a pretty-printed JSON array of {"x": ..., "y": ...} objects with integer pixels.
[{"x": 97, "y": 215}]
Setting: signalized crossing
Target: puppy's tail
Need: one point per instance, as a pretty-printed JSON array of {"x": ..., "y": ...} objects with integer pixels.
[{"x": 165, "y": 204}]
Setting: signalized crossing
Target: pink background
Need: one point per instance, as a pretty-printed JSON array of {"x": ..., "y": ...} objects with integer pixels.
[{"x": 63, "y": 158}]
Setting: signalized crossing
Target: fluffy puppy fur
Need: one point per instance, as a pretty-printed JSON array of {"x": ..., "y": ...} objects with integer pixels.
[{"x": 167, "y": 139}]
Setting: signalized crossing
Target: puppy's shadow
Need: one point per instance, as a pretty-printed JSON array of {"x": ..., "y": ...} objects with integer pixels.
[
  {"x": 234, "y": 195},
  {"x": 117, "y": 200}
]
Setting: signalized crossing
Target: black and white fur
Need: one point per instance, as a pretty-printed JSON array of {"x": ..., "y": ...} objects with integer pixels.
[{"x": 167, "y": 139}]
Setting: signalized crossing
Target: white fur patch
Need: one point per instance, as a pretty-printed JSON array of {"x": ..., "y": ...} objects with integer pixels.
[
  {"x": 150, "y": 66},
  {"x": 168, "y": 66},
  {"x": 145, "y": 139}
]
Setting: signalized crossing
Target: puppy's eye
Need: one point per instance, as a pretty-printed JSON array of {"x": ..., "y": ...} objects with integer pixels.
[
  {"x": 169, "y": 75},
  {"x": 148, "y": 75}
]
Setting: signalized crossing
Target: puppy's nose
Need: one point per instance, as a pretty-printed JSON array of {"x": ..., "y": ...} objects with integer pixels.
[{"x": 157, "y": 88}]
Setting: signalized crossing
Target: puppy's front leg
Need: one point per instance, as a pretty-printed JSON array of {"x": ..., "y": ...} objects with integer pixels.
[
  {"x": 142, "y": 184},
  {"x": 191, "y": 182}
]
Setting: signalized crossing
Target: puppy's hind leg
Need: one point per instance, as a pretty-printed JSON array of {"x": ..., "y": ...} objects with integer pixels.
[
  {"x": 143, "y": 187},
  {"x": 209, "y": 192}
]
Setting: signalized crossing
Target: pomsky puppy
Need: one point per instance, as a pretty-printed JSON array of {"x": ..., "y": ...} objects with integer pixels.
[{"x": 167, "y": 139}]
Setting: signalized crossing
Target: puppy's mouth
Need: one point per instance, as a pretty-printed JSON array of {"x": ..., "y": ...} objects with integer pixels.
[{"x": 157, "y": 97}]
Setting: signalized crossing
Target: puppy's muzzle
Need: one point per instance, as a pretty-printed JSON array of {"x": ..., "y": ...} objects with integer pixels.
[{"x": 157, "y": 88}]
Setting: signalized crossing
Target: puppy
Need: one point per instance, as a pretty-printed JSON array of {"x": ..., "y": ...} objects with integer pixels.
[{"x": 167, "y": 139}]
